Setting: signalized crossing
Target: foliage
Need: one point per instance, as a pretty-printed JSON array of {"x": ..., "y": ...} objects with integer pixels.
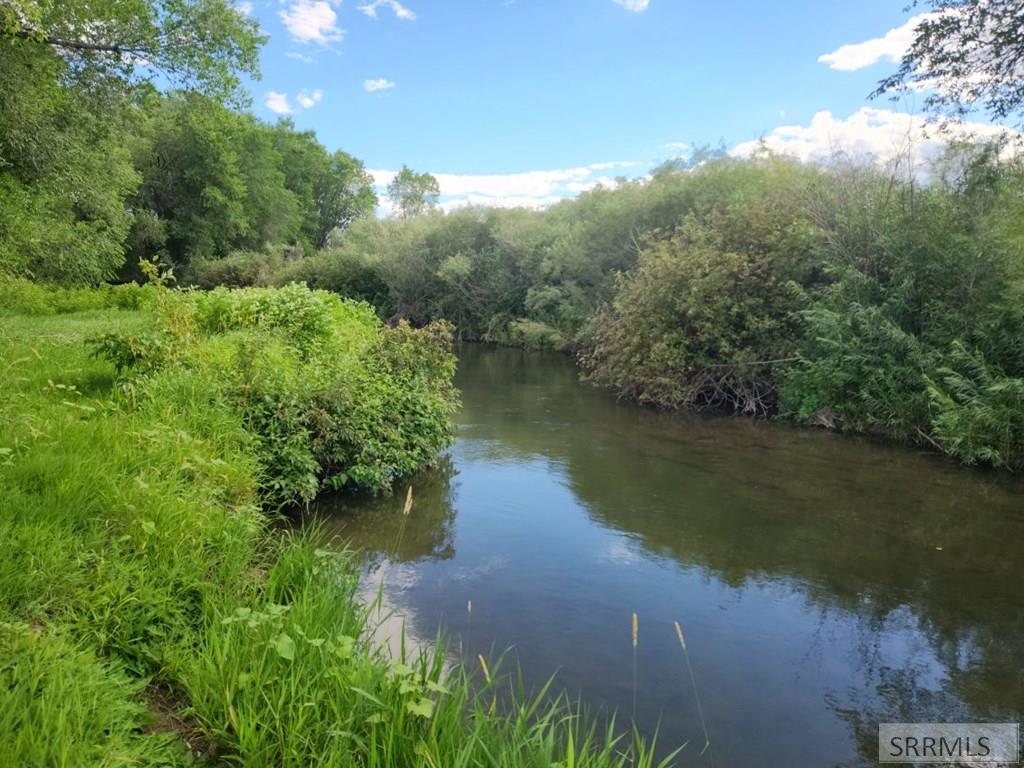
[
  {"x": 147, "y": 600},
  {"x": 413, "y": 193},
  {"x": 529, "y": 334},
  {"x": 858, "y": 371},
  {"x": 329, "y": 394},
  {"x": 978, "y": 411},
  {"x": 64, "y": 174},
  {"x": 22, "y": 297},
  {"x": 199, "y": 44},
  {"x": 968, "y": 53},
  {"x": 705, "y": 316},
  {"x": 827, "y": 294},
  {"x": 239, "y": 269},
  {"x": 99, "y": 170},
  {"x": 347, "y": 271},
  {"x": 62, "y": 706}
]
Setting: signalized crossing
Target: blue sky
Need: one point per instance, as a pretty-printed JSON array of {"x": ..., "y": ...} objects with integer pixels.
[{"x": 487, "y": 94}]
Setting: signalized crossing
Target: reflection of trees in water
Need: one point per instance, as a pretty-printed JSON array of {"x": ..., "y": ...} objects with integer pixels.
[
  {"x": 851, "y": 524},
  {"x": 894, "y": 695},
  {"x": 381, "y": 530},
  {"x": 877, "y": 532}
]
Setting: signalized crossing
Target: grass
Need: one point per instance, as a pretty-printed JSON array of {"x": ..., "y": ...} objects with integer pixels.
[{"x": 152, "y": 615}]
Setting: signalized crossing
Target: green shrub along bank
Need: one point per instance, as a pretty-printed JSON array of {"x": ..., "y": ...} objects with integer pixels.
[
  {"x": 841, "y": 295},
  {"x": 152, "y": 615},
  {"x": 331, "y": 397}
]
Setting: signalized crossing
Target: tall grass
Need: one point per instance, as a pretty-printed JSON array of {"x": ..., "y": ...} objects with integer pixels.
[{"x": 146, "y": 599}]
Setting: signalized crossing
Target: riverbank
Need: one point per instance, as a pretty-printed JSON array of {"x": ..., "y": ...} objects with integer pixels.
[
  {"x": 838, "y": 295},
  {"x": 151, "y": 613}
]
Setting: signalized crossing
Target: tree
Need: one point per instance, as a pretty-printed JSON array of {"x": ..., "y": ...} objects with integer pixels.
[
  {"x": 197, "y": 45},
  {"x": 64, "y": 175},
  {"x": 192, "y": 177},
  {"x": 413, "y": 193},
  {"x": 970, "y": 53},
  {"x": 75, "y": 83},
  {"x": 344, "y": 193},
  {"x": 332, "y": 190}
]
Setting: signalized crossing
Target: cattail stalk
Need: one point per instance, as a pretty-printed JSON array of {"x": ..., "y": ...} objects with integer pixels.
[
  {"x": 636, "y": 637},
  {"x": 696, "y": 696}
]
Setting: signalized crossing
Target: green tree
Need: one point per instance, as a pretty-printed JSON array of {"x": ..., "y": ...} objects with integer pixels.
[
  {"x": 199, "y": 45},
  {"x": 343, "y": 193},
  {"x": 969, "y": 53},
  {"x": 64, "y": 174},
  {"x": 193, "y": 177},
  {"x": 413, "y": 193},
  {"x": 332, "y": 190},
  {"x": 72, "y": 78}
]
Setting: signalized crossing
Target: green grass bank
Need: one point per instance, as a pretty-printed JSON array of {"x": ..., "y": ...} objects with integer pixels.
[{"x": 151, "y": 612}]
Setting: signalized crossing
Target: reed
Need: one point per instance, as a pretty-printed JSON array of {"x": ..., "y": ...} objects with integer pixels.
[
  {"x": 696, "y": 695},
  {"x": 636, "y": 638}
]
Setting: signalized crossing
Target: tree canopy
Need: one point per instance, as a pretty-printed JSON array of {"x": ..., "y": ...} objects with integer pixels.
[
  {"x": 201, "y": 45},
  {"x": 413, "y": 193},
  {"x": 968, "y": 54},
  {"x": 98, "y": 166}
]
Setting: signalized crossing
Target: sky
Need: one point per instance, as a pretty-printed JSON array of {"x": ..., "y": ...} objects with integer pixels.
[{"x": 523, "y": 102}]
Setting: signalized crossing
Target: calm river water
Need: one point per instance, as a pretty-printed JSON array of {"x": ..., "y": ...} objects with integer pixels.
[{"x": 824, "y": 583}]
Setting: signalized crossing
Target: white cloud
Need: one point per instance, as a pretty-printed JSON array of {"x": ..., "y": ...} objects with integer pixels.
[
  {"x": 403, "y": 13},
  {"x": 636, "y": 6},
  {"x": 280, "y": 103},
  {"x": 380, "y": 84},
  {"x": 529, "y": 189},
  {"x": 244, "y": 8},
  {"x": 868, "y": 135},
  {"x": 309, "y": 99},
  {"x": 892, "y": 45},
  {"x": 312, "y": 21},
  {"x": 299, "y": 57},
  {"x": 277, "y": 103}
]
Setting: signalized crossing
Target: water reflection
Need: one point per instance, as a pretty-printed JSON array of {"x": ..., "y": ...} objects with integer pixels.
[{"x": 825, "y": 583}]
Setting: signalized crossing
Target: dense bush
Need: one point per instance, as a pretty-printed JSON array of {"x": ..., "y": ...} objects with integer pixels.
[
  {"x": 19, "y": 296},
  {"x": 347, "y": 272},
  {"x": 705, "y": 316},
  {"x": 239, "y": 269},
  {"x": 978, "y": 411},
  {"x": 329, "y": 393}
]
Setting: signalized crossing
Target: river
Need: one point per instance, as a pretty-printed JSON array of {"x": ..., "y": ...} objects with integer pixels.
[{"x": 824, "y": 583}]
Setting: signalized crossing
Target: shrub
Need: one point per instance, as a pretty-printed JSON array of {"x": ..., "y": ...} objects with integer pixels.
[
  {"x": 697, "y": 324},
  {"x": 978, "y": 411},
  {"x": 329, "y": 393},
  {"x": 23, "y": 297},
  {"x": 239, "y": 269},
  {"x": 529, "y": 334},
  {"x": 858, "y": 371},
  {"x": 347, "y": 273}
]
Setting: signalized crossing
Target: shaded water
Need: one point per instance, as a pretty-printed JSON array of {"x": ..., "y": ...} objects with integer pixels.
[{"x": 824, "y": 583}]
